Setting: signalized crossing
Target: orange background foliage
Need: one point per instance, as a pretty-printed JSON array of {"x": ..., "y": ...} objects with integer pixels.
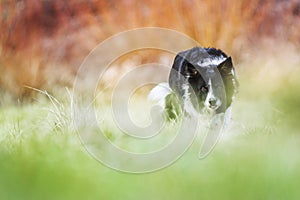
[{"x": 43, "y": 40}]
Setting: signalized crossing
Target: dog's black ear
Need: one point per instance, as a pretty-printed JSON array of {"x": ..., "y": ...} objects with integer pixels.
[
  {"x": 176, "y": 78},
  {"x": 226, "y": 66},
  {"x": 179, "y": 61},
  {"x": 230, "y": 82}
]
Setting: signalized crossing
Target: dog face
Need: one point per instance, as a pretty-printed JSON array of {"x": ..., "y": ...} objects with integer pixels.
[{"x": 208, "y": 74}]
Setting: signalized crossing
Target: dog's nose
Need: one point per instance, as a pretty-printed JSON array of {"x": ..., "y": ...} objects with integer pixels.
[{"x": 212, "y": 101}]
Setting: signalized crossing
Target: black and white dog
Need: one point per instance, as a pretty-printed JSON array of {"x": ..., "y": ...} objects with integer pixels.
[{"x": 202, "y": 80}]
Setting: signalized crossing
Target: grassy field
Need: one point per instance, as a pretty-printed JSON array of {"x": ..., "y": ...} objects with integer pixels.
[
  {"x": 42, "y": 45},
  {"x": 258, "y": 158}
]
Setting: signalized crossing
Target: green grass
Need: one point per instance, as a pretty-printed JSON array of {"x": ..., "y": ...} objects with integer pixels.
[{"x": 258, "y": 158}]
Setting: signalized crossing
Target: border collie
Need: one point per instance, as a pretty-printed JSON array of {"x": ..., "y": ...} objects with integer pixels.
[{"x": 202, "y": 80}]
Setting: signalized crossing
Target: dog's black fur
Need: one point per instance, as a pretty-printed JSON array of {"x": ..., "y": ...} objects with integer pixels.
[{"x": 195, "y": 67}]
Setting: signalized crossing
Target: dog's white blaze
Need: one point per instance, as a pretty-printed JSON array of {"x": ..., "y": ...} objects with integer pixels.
[
  {"x": 211, "y": 95},
  {"x": 208, "y": 61}
]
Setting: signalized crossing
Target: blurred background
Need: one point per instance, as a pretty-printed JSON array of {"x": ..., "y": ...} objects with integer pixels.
[{"x": 43, "y": 43}]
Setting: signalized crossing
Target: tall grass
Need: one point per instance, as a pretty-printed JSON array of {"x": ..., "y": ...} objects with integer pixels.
[
  {"x": 257, "y": 158},
  {"x": 42, "y": 44}
]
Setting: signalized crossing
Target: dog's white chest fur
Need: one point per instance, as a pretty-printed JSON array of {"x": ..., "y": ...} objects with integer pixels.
[{"x": 187, "y": 103}]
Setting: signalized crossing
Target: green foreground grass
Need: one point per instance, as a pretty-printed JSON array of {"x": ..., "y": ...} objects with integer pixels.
[{"x": 42, "y": 158}]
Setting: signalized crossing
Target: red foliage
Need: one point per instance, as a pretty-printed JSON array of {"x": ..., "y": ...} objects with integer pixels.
[{"x": 37, "y": 35}]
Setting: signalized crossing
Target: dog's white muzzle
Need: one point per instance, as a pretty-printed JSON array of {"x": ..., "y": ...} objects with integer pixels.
[{"x": 212, "y": 101}]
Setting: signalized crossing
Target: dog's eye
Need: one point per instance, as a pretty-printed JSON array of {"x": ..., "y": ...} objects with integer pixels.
[
  {"x": 192, "y": 72},
  {"x": 204, "y": 89}
]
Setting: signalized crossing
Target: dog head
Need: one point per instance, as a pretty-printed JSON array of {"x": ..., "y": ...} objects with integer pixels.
[{"x": 209, "y": 74}]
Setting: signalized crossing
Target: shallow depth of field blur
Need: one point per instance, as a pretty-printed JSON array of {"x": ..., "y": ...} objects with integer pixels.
[{"x": 42, "y": 45}]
